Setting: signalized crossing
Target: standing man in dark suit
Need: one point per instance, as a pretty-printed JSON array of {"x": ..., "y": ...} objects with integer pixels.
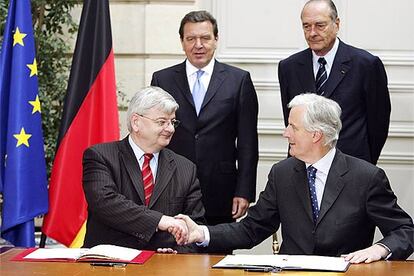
[
  {"x": 218, "y": 114},
  {"x": 133, "y": 187},
  {"x": 327, "y": 202},
  {"x": 352, "y": 77}
]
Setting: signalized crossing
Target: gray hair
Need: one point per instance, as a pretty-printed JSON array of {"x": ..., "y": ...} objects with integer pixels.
[
  {"x": 333, "y": 11},
  {"x": 321, "y": 114},
  {"x": 147, "y": 98},
  {"x": 196, "y": 17}
]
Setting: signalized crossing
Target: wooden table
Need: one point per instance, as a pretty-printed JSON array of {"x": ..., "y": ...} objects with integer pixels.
[{"x": 181, "y": 265}]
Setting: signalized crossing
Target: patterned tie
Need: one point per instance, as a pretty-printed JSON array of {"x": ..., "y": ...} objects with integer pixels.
[
  {"x": 321, "y": 77},
  {"x": 198, "y": 92},
  {"x": 312, "y": 189},
  {"x": 147, "y": 177}
]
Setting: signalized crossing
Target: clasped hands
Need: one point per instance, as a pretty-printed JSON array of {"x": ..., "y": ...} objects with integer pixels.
[
  {"x": 186, "y": 231},
  {"x": 183, "y": 228}
]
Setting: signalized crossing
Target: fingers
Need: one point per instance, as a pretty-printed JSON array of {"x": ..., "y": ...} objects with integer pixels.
[
  {"x": 166, "y": 251},
  {"x": 176, "y": 227},
  {"x": 240, "y": 206},
  {"x": 367, "y": 255},
  {"x": 355, "y": 258},
  {"x": 180, "y": 232},
  {"x": 195, "y": 233},
  {"x": 183, "y": 228}
]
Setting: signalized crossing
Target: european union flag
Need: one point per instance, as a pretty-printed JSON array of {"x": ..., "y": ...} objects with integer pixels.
[{"x": 23, "y": 179}]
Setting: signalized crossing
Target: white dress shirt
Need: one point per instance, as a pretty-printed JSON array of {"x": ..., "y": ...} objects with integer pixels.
[
  {"x": 323, "y": 166},
  {"x": 191, "y": 71},
  {"x": 139, "y": 154},
  {"x": 329, "y": 57}
]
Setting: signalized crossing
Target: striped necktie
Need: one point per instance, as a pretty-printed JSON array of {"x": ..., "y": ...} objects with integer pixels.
[
  {"x": 321, "y": 77},
  {"x": 147, "y": 178}
]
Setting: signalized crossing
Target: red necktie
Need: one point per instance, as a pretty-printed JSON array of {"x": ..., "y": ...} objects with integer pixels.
[{"x": 147, "y": 177}]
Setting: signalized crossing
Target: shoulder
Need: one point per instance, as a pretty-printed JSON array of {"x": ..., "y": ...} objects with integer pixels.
[
  {"x": 105, "y": 149},
  {"x": 358, "y": 168},
  {"x": 219, "y": 66},
  {"x": 286, "y": 166},
  {"x": 358, "y": 55},
  {"x": 180, "y": 160},
  {"x": 169, "y": 70},
  {"x": 299, "y": 56}
]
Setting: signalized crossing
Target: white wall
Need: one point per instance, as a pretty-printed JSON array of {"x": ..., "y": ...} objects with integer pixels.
[{"x": 256, "y": 35}]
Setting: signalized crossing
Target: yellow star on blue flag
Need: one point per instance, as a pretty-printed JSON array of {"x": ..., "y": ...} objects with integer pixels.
[
  {"x": 33, "y": 68},
  {"x": 23, "y": 182},
  {"x": 36, "y": 105},
  {"x": 22, "y": 138},
  {"x": 18, "y": 37}
]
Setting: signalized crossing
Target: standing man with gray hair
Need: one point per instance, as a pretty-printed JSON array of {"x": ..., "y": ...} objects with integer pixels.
[
  {"x": 218, "y": 114},
  {"x": 134, "y": 187},
  {"x": 352, "y": 77},
  {"x": 327, "y": 203}
]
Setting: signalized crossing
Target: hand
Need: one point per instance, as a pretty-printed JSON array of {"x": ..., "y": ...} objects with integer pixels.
[
  {"x": 166, "y": 251},
  {"x": 176, "y": 227},
  {"x": 195, "y": 232},
  {"x": 367, "y": 255},
  {"x": 240, "y": 206}
]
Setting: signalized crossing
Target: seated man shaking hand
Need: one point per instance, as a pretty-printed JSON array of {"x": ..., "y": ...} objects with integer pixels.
[
  {"x": 327, "y": 203},
  {"x": 134, "y": 187}
]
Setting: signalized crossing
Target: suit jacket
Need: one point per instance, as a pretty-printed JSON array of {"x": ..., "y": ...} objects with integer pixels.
[
  {"x": 113, "y": 186},
  {"x": 225, "y": 132},
  {"x": 358, "y": 83},
  {"x": 357, "y": 197}
]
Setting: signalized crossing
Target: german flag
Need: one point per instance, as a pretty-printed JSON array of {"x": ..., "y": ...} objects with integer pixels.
[{"x": 90, "y": 116}]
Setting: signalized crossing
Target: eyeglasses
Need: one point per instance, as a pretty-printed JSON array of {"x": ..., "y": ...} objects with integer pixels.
[{"x": 163, "y": 122}]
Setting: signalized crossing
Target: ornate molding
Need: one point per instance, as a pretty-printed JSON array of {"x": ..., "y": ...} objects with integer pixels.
[
  {"x": 276, "y": 127},
  {"x": 386, "y": 158}
]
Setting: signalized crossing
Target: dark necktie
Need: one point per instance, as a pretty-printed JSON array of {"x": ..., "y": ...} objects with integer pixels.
[
  {"x": 321, "y": 77},
  {"x": 311, "y": 171},
  {"x": 199, "y": 92},
  {"x": 147, "y": 177}
]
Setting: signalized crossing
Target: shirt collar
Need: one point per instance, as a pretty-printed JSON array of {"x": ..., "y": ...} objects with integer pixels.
[
  {"x": 191, "y": 69},
  {"x": 324, "y": 164},
  {"x": 330, "y": 56},
  {"x": 138, "y": 152}
]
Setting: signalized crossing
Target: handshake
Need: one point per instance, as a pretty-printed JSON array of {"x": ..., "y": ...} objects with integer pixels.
[{"x": 183, "y": 228}]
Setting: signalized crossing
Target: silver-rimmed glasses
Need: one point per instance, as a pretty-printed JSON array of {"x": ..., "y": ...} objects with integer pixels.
[{"x": 163, "y": 122}]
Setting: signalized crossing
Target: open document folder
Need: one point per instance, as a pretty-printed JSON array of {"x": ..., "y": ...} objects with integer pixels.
[
  {"x": 99, "y": 253},
  {"x": 284, "y": 262}
]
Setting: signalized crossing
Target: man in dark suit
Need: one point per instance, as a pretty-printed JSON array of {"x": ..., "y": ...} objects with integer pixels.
[
  {"x": 352, "y": 77},
  {"x": 327, "y": 202},
  {"x": 133, "y": 187},
  {"x": 218, "y": 114}
]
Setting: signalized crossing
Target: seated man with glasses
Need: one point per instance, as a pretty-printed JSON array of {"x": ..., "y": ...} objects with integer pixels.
[{"x": 134, "y": 187}]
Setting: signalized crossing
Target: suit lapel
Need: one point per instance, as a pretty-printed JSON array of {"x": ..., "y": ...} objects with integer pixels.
[
  {"x": 334, "y": 184},
  {"x": 132, "y": 167},
  {"x": 302, "y": 189},
  {"x": 340, "y": 67},
  {"x": 166, "y": 168},
  {"x": 182, "y": 83},
  {"x": 305, "y": 72},
  {"x": 219, "y": 74}
]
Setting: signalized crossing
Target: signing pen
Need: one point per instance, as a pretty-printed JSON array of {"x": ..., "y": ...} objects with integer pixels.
[
  {"x": 259, "y": 269},
  {"x": 110, "y": 264}
]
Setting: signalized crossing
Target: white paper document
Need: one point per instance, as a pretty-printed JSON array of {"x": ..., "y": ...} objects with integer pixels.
[
  {"x": 104, "y": 251},
  {"x": 285, "y": 262}
]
